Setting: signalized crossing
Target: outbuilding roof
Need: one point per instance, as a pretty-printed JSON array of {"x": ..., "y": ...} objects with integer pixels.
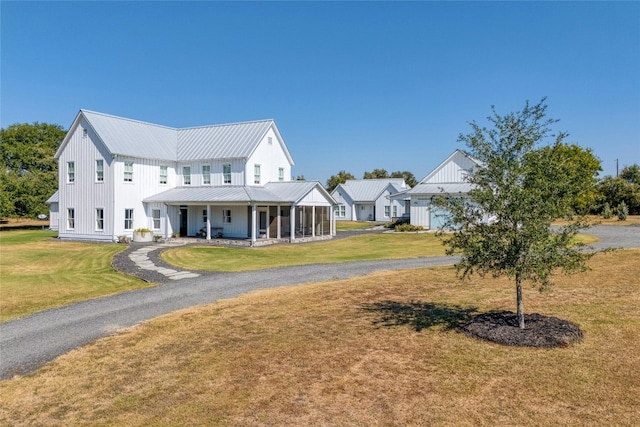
[{"x": 369, "y": 190}]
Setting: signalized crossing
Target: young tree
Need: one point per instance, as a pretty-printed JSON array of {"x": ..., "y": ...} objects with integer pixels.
[
  {"x": 503, "y": 227},
  {"x": 336, "y": 180}
]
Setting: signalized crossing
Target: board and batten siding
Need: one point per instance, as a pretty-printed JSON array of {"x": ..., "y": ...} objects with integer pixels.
[
  {"x": 217, "y": 172},
  {"x": 271, "y": 157},
  {"x": 342, "y": 199},
  {"x": 145, "y": 183},
  {"x": 85, "y": 194},
  {"x": 453, "y": 171}
]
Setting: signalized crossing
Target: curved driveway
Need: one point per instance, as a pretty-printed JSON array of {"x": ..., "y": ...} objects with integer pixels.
[{"x": 29, "y": 342}]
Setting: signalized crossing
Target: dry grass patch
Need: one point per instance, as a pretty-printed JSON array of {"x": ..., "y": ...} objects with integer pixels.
[{"x": 319, "y": 355}]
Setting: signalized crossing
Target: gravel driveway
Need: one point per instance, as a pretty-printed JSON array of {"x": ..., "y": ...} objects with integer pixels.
[{"x": 29, "y": 342}]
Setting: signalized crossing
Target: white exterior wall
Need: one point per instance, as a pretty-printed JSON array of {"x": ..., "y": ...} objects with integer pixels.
[
  {"x": 270, "y": 157},
  {"x": 54, "y": 216},
  {"x": 452, "y": 171},
  {"x": 342, "y": 199},
  {"x": 314, "y": 198},
  {"x": 85, "y": 195},
  {"x": 420, "y": 211},
  {"x": 217, "y": 172},
  {"x": 146, "y": 182}
]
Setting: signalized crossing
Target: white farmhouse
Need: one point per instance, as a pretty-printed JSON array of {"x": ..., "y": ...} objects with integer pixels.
[
  {"x": 117, "y": 175},
  {"x": 369, "y": 199},
  {"x": 447, "y": 178}
]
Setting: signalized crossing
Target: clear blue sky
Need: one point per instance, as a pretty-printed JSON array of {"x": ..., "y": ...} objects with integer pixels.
[{"x": 351, "y": 85}]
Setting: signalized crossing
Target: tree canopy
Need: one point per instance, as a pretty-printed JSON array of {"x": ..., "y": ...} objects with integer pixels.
[
  {"x": 503, "y": 227},
  {"x": 29, "y": 174},
  {"x": 338, "y": 179}
]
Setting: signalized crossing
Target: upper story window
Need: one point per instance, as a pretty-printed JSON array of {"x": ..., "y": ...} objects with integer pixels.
[
  {"x": 71, "y": 172},
  {"x": 163, "y": 174},
  {"x": 256, "y": 174},
  {"x": 128, "y": 171},
  {"x": 186, "y": 175},
  {"x": 206, "y": 174},
  {"x": 84, "y": 133},
  {"x": 226, "y": 173},
  {"x": 99, "y": 170},
  {"x": 280, "y": 174},
  {"x": 270, "y": 140}
]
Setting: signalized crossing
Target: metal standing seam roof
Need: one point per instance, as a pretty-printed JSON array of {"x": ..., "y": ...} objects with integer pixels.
[
  {"x": 134, "y": 138},
  {"x": 368, "y": 190},
  {"x": 235, "y": 140},
  {"x": 441, "y": 188},
  {"x": 279, "y": 192},
  {"x": 55, "y": 198}
]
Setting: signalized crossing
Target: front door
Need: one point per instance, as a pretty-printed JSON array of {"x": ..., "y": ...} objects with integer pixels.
[{"x": 184, "y": 223}]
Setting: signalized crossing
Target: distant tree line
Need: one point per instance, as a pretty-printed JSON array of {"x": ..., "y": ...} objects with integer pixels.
[
  {"x": 28, "y": 171},
  {"x": 29, "y": 174},
  {"x": 343, "y": 176}
]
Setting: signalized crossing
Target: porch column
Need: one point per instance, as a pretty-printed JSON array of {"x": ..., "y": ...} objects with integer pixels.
[
  {"x": 278, "y": 219},
  {"x": 253, "y": 224},
  {"x": 292, "y": 223},
  {"x": 208, "y": 225},
  {"x": 332, "y": 217},
  {"x": 166, "y": 221},
  {"x": 313, "y": 221}
]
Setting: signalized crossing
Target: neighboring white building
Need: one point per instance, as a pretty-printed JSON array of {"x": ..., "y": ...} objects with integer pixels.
[
  {"x": 446, "y": 178},
  {"x": 369, "y": 199},
  {"x": 234, "y": 180}
]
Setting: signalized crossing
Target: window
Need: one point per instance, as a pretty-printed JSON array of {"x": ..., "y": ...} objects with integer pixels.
[
  {"x": 155, "y": 215},
  {"x": 395, "y": 210},
  {"x": 99, "y": 219},
  {"x": 256, "y": 174},
  {"x": 71, "y": 218},
  {"x": 71, "y": 172},
  {"x": 84, "y": 133},
  {"x": 270, "y": 140},
  {"x": 206, "y": 174},
  {"x": 163, "y": 174},
  {"x": 226, "y": 216},
  {"x": 128, "y": 219},
  {"x": 387, "y": 211},
  {"x": 226, "y": 173},
  {"x": 204, "y": 217},
  {"x": 186, "y": 175},
  {"x": 280, "y": 174},
  {"x": 99, "y": 170},
  {"x": 340, "y": 211},
  {"x": 128, "y": 171}
]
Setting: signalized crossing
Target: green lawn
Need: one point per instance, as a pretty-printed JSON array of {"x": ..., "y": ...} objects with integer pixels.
[
  {"x": 357, "y": 248},
  {"x": 37, "y": 272},
  {"x": 355, "y": 225}
]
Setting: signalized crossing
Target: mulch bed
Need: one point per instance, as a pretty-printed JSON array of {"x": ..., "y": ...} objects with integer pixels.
[{"x": 540, "y": 331}]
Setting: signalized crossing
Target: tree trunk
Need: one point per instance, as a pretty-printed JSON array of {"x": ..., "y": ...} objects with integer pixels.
[{"x": 520, "y": 303}]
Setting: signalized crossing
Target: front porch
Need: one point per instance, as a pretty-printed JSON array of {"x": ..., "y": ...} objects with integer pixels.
[{"x": 244, "y": 242}]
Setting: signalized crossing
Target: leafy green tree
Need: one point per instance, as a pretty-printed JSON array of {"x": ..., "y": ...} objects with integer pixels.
[
  {"x": 376, "y": 174},
  {"x": 614, "y": 191},
  {"x": 338, "y": 179},
  {"x": 409, "y": 178},
  {"x": 631, "y": 174},
  {"x": 29, "y": 173},
  {"x": 503, "y": 227}
]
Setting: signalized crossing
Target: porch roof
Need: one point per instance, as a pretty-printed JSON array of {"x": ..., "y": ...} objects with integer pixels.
[{"x": 277, "y": 192}]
